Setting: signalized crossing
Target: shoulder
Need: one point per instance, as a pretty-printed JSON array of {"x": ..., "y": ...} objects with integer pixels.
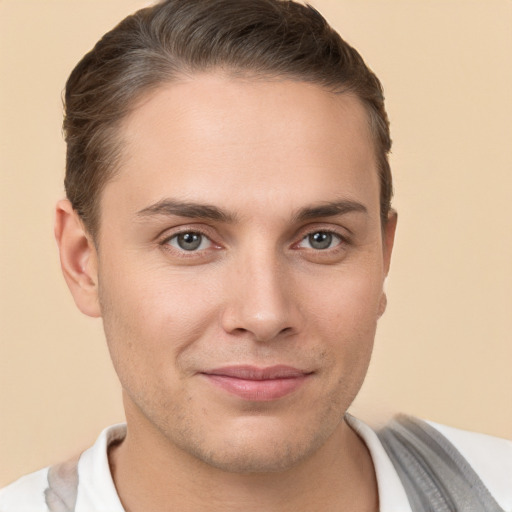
[
  {"x": 490, "y": 457},
  {"x": 25, "y": 494},
  {"x": 86, "y": 479}
]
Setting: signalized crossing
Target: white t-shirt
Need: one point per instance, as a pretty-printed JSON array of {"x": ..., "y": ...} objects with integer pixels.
[{"x": 490, "y": 457}]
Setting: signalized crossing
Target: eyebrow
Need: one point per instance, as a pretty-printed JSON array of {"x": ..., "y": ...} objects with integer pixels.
[
  {"x": 329, "y": 209},
  {"x": 191, "y": 210},
  {"x": 167, "y": 207}
]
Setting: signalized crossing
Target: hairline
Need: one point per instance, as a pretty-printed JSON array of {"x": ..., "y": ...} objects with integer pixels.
[{"x": 116, "y": 142}]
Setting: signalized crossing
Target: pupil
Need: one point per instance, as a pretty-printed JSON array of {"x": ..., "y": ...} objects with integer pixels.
[
  {"x": 189, "y": 241},
  {"x": 320, "y": 240}
]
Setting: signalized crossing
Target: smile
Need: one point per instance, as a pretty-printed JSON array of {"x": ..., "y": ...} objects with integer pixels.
[{"x": 258, "y": 384}]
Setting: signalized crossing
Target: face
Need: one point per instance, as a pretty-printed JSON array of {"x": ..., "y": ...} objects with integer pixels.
[{"x": 240, "y": 266}]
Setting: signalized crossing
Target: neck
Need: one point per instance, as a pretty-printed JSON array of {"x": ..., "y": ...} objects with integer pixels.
[{"x": 151, "y": 474}]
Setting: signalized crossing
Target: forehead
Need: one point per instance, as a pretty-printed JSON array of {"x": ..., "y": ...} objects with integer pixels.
[{"x": 213, "y": 138}]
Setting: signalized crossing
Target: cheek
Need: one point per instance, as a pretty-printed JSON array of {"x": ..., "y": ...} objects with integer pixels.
[
  {"x": 152, "y": 315},
  {"x": 345, "y": 315},
  {"x": 347, "y": 300}
]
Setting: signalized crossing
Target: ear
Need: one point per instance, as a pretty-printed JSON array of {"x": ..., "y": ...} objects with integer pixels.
[
  {"x": 388, "y": 235},
  {"x": 388, "y": 239},
  {"x": 78, "y": 258}
]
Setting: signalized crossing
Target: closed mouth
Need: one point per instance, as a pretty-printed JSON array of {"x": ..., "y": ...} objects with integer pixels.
[{"x": 258, "y": 384}]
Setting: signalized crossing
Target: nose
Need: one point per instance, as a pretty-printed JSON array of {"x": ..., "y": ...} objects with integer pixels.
[{"x": 261, "y": 300}]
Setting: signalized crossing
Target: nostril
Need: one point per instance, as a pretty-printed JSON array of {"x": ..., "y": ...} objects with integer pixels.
[{"x": 240, "y": 330}]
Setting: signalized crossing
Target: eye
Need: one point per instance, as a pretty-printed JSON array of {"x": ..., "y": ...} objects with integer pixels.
[
  {"x": 190, "y": 241},
  {"x": 320, "y": 240}
]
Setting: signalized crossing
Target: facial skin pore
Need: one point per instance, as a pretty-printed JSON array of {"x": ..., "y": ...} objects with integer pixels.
[{"x": 242, "y": 231}]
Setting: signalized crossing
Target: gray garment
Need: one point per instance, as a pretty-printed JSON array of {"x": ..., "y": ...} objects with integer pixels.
[
  {"x": 436, "y": 477},
  {"x": 62, "y": 488}
]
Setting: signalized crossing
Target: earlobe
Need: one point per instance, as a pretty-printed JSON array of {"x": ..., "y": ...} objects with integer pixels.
[
  {"x": 382, "y": 304},
  {"x": 78, "y": 258}
]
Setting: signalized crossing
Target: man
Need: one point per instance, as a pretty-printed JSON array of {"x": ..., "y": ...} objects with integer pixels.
[{"x": 228, "y": 216}]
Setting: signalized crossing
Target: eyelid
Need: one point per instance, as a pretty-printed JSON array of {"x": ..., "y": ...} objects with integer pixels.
[
  {"x": 339, "y": 238},
  {"x": 164, "y": 238},
  {"x": 173, "y": 241},
  {"x": 342, "y": 233},
  {"x": 329, "y": 256},
  {"x": 171, "y": 232}
]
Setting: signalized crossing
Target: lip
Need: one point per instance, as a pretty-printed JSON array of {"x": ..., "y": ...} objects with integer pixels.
[{"x": 258, "y": 384}]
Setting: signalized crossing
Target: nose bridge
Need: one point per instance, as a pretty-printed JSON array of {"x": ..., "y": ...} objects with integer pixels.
[{"x": 261, "y": 299}]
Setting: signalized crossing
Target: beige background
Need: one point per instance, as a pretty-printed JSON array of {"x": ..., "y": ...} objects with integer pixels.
[{"x": 444, "y": 348}]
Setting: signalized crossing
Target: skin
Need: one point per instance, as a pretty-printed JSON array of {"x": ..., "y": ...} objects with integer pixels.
[{"x": 263, "y": 156}]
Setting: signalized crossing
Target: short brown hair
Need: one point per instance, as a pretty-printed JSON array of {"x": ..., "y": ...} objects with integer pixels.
[{"x": 156, "y": 45}]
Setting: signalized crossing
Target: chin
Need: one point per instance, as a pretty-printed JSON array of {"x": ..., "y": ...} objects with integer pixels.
[
  {"x": 259, "y": 448},
  {"x": 256, "y": 459}
]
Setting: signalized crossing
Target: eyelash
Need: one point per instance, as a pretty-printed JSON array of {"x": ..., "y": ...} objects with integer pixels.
[
  {"x": 343, "y": 240},
  {"x": 183, "y": 253}
]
